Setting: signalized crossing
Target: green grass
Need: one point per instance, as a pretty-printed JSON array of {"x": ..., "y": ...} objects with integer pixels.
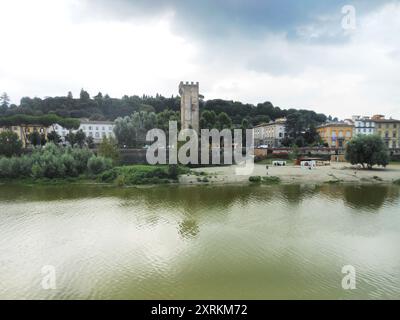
[{"x": 142, "y": 174}]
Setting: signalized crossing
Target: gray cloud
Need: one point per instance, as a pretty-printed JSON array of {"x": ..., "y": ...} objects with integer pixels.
[{"x": 215, "y": 19}]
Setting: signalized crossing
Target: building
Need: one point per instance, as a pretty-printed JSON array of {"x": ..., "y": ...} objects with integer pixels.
[
  {"x": 270, "y": 134},
  {"x": 388, "y": 130},
  {"x": 189, "y": 93},
  {"x": 336, "y": 134},
  {"x": 96, "y": 129},
  {"x": 23, "y": 132},
  {"x": 363, "y": 125}
]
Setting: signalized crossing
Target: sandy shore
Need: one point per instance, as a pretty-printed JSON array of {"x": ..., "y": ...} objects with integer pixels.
[{"x": 336, "y": 172}]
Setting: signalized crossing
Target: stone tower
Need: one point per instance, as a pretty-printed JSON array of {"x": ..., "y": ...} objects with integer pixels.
[{"x": 189, "y": 93}]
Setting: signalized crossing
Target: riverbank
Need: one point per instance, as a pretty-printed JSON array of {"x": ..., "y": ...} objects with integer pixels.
[
  {"x": 146, "y": 175},
  {"x": 335, "y": 173}
]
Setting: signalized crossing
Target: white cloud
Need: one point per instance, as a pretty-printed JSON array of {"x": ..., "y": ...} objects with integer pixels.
[{"x": 50, "y": 47}]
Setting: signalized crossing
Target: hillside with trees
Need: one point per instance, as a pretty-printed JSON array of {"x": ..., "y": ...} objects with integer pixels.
[{"x": 215, "y": 113}]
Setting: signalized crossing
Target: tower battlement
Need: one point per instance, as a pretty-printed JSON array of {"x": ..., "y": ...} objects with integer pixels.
[{"x": 189, "y": 92}]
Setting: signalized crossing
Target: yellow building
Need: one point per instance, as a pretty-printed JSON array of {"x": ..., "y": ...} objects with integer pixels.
[
  {"x": 336, "y": 135},
  {"x": 388, "y": 130},
  {"x": 23, "y": 131}
]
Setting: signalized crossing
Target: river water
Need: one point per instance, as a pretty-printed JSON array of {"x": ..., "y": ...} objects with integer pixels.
[{"x": 199, "y": 242}]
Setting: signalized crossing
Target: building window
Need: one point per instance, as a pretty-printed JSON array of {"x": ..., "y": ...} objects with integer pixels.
[
  {"x": 90, "y": 127},
  {"x": 97, "y": 135}
]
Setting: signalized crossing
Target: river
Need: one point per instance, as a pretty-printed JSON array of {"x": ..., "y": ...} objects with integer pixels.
[{"x": 199, "y": 242}]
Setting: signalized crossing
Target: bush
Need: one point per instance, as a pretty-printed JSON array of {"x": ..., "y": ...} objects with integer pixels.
[
  {"x": 397, "y": 182},
  {"x": 81, "y": 157},
  {"x": 49, "y": 162},
  {"x": 108, "y": 148},
  {"x": 255, "y": 179},
  {"x": 5, "y": 168},
  {"x": 367, "y": 151},
  {"x": 48, "y": 166},
  {"x": 10, "y": 145},
  {"x": 142, "y": 174},
  {"x": 70, "y": 165},
  {"x": 271, "y": 180},
  {"x": 97, "y": 165}
]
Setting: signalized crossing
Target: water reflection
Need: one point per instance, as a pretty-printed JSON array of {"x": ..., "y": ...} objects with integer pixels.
[
  {"x": 199, "y": 242},
  {"x": 202, "y": 199}
]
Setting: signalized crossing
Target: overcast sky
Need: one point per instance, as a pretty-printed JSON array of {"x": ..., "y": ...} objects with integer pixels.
[{"x": 292, "y": 53}]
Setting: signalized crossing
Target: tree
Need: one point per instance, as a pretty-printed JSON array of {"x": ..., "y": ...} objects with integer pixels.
[
  {"x": 80, "y": 138},
  {"x": 131, "y": 131},
  {"x": 10, "y": 145},
  {"x": 90, "y": 142},
  {"x": 208, "y": 120},
  {"x": 84, "y": 95},
  {"x": 70, "y": 137},
  {"x": 4, "y": 100},
  {"x": 367, "y": 150},
  {"x": 4, "y": 103},
  {"x": 224, "y": 122},
  {"x": 54, "y": 137},
  {"x": 108, "y": 148}
]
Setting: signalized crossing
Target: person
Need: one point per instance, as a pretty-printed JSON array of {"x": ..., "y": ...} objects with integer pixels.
[{"x": 267, "y": 167}]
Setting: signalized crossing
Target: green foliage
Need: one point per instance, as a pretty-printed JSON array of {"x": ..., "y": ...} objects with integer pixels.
[
  {"x": 54, "y": 137},
  {"x": 104, "y": 107},
  {"x": 15, "y": 167},
  {"x": 81, "y": 157},
  {"x": 10, "y": 145},
  {"x": 44, "y": 120},
  {"x": 142, "y": 174},
  {"x": 80, "y": 138},
  {"x": 52, "y": 162},
  {"x": 367, "y": 150},
  {"x": 210, "y": 120},
  {"x": 271, "y": 180},
  {"x": 264, "y": 180},
  {"x": 397, "y": 182},
  {"x": 255, "y": 179},
  {"x": 131, "y": 131},
  {"x": 97, "y": 165},
  {"x": 301, "y": 128},
  {"x": 4, "y": 101},
  {"x": 108, "y": 148}
]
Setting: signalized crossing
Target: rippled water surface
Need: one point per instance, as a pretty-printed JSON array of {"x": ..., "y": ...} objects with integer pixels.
[{"x": 260, "y": 242}]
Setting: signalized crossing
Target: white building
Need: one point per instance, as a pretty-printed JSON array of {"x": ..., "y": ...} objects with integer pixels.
[
  {"x": 270, "y": 134},
  {"x": 363, "y": 125},
  {"x": 96, "y": 129}
]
